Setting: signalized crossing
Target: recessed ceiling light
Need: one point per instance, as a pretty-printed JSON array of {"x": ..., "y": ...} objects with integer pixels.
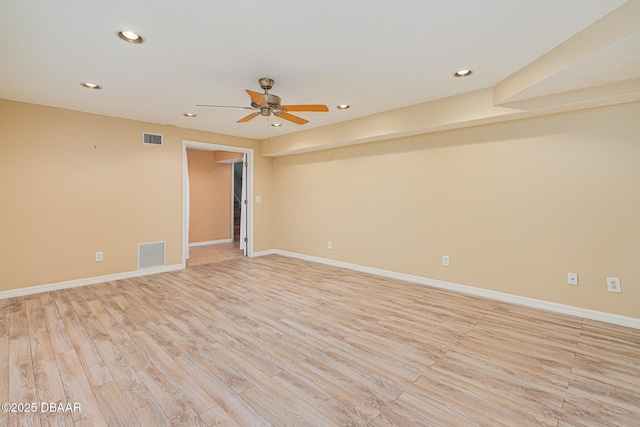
[
  {"x": 190, "y": 114},
  {"x": 343, "y": 106},
  {"x": 90, "y": 85},
  {"x": 276, "y": 125},
  {"x": 463, "y": 73},
  {"x": 130, "y": 36}
]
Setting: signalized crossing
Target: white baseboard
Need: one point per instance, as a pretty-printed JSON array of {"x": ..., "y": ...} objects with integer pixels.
[
  {"x": 210, "y": 242},
  {"x": 470, "y": 290},
  {"x": 264, "y": 253},
  {"x": 87, "y": 281}
]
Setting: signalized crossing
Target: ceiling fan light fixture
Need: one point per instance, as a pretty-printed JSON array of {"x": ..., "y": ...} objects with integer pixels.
[
  {"x": 91, "y": 85},
  {"x": 462, "y": 73},
  {"x": 276, "y": 125},
  {"x": 130, "y": 36},
  {"x": 343, "y": 106},
  {"x": 266, "y": 104}
]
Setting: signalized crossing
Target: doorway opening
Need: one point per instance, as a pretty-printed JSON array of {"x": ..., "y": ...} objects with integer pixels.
[{"x": 244, "y": 230}]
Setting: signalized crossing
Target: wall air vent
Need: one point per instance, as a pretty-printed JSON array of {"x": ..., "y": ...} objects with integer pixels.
[
  {"x": 151, "y": 255},
  {"x": 152, "y": 139}
]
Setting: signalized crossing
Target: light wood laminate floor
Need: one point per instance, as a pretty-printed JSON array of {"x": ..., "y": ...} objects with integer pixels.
[
  {"x": 283, "y": 342},
  {"x": 214, "y": 253}
]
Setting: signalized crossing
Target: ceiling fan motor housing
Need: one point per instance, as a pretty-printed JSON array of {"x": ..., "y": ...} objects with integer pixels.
[{"x": 274, "y": 101}]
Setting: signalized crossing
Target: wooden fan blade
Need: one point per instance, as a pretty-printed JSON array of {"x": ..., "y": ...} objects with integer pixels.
[
  {"x": 247, "y": 118},
  {"x": 313, "y": 108},
  {"x": 223, "y": 106},
  {"x": 258, "y": 98},
  {"x": 292, "y": 118}
]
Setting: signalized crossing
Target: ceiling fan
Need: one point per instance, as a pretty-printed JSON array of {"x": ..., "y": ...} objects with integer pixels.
[{"x": 266, "y": 104}]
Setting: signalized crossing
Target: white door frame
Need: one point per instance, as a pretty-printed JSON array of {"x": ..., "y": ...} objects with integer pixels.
[
  {"x": 205, "y": 146},
  {"x": 233, "y": 200}
]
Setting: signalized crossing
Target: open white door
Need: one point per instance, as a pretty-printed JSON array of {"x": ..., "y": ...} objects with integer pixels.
[{"x": 243, "y": 208}]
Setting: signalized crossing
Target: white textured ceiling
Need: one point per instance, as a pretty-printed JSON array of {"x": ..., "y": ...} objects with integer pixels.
[{"x": 376, "y": 55}]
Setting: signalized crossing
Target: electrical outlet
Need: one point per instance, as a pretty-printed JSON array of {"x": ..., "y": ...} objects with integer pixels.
[
  {"x": 613, "y": 284},
  {"x": 329, "y": 244},
  {"x": 572, "y": 279},
  {"x": 98, "y": 257},
  {"x": 445, "y": 260}
]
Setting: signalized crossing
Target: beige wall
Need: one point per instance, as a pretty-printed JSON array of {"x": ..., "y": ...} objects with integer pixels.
[
  {"x": 515, "y": 205},
  {"x": 75, "y": 183},
  {"x": 210, "y": 197}
]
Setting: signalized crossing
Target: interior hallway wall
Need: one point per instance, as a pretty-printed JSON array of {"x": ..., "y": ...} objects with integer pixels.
[{"x": 210, "y": 197}]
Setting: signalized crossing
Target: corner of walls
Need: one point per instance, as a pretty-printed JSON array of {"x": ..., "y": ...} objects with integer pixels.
[{"x": 264, "y": 201}]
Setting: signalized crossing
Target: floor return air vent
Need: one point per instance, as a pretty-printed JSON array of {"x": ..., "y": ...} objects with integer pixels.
[{"x": 151, "y": 255}]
